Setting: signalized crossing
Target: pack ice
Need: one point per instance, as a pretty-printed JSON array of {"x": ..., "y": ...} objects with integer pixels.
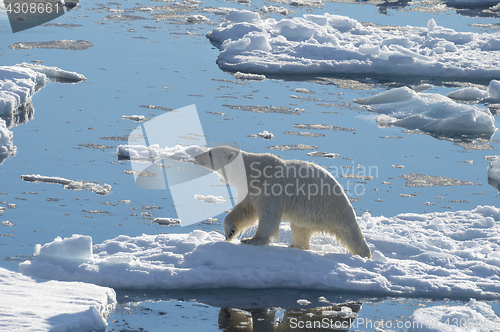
[
  {"x": 334, "y": 45},
  {"x": 32, "y": 304},
  {"x": 445, "y": 254}
]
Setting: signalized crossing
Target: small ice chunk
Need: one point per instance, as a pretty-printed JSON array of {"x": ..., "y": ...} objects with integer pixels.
[
  {"x": 237, "y": 16},
  {"x": 468, "y": 94},
  {"x": 77, "y": 248},
  {"x": 167, "y": 221},
  {"x": 210, "y": 199},
  {"x": 245, "y": 76},
  {"x": 494, "y": 89},
  {"x": 303, "y": 302},
  {"x": 431, "y": 24},
  {"x": 197, "y": 18},
  {"x": 266, "y": 135},
  {"x": 135, "y": 118}
]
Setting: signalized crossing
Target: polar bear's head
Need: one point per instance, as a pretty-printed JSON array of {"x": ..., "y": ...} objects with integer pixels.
[{"x": 218, "y": 157}]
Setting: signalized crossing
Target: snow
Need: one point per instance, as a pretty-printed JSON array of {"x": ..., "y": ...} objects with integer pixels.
[
  {"x": 255, "y": 77},
  {"x": 153, "y": 152},
  {"x": 104, "y": 189},
  {"x": 445, "y": 254},
  {"x": 17, "y": 86},
  {"x": 197, "y": 18},
  {"x": 19, "y": 83},
  {"x": 54, "y": 73},
  {"x": 32, "y": 304},
  {"x": 476, "y": 94},
  {"x": 429, "y": 112},
  {"x": 494, "y": 170},
  {"x": 6, "y": 146},
  {"x": 474, "y": 316},
  {"x": 338, "y": 45},
  {"x": 210, "y": 199},
  {"x": 167, "y": 221},
  {"x": 266, "y": 135},
  {"x": 135, "y": 118}
]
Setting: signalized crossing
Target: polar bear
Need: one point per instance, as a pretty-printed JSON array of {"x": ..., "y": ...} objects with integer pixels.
[{"x": 301, "y": 192}]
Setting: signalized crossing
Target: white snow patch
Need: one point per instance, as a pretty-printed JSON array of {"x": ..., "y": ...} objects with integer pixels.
[
  {"x": 154, "y": 152},
  {"x": 19, "y": 83},
  {"x": 429, "y": 112},
  {"x": 494, "y": 171},
  {"x": 254, "y": 77},
  {"x": 474, "y": 316},
  {"x": 104, "y": 189},
  {"x": 135, "y": 118},
  {"x": 54, "y": 73},
  {"x": 32, "y": 304},
  {"x": 459, "y": 260},
  {"x": 210, "y": 199},
  {"x": 167, "y": 221},
  {"x": 338, "y": 45},
  {"x": 476, "y": 94},
  {"x": 197, "y": 18},
  {"x": 6, "y": 146},
  {"x": 266, "y": 135}
]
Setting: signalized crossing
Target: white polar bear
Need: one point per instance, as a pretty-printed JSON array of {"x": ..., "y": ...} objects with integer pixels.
[{"x": 298, "y": 191}]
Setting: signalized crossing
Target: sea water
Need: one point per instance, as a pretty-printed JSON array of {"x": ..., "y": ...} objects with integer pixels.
[{"x": 139, "y": 59}]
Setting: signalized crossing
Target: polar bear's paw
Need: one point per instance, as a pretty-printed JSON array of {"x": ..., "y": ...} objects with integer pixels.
[{"x": 257, "y": 241}]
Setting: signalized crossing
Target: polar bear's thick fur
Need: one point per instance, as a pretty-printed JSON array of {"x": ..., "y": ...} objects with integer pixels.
[{"x": 298, "y": 191}]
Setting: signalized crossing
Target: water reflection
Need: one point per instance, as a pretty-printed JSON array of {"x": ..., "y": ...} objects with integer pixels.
[
  {"x": 245, "y": 310},
  {"x": 336, "y": 317}
]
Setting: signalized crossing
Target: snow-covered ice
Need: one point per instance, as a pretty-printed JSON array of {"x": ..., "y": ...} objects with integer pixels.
[
  {"x": 19, "y": 83},
  {"x": 6, "y": 146},
  {"x": 32, "y": 304},
  {"x": 154, "y": 152},
  {"x": 210, "y": 199},
  {"x": 104, "y": 189},
  {"x": 135, "y": 118},
  {"x": 265, "y": 135},
  {"x": 54, "y": 73},
  {"x": 494, "y": 172},
  {"x": 338, "y": 45},
  {"x": 474, "y": 316},
  {"x": 476, "y": 94},
  {"x": 429, "y": 112},
  {"x": 197, "y": 18},
  {"x": 167, "y": 221},
  {"x": 447, "y": 254},
  {"x": 17, "y": 86},
  {"x": 244, "y": 76}
]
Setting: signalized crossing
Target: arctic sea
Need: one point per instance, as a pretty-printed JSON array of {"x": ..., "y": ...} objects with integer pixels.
[{"x": 145, "y": 59}]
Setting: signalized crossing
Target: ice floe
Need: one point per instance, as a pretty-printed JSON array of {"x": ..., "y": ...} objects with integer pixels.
[
  {"x": 265, "y": 135},
  {"x": 197, "y": 18},
  {"x": 99, "y": 189},
  {"x": 338, "y": 45},
  {"x": 6, "y": 146},
  {"x": 135, "y": 118},
  {"x": 19, "y": 83},
  {"x": 476, "y": 94},
  {"x": 448, "y": 254},
  {"x": 494, "y": 172},
  {"x": 210, "y": 199},
  {"x": 474, "y": 316},
  {"x": 32, "y": 304},
  {"x": 429, "y": 112},
  {"x": 17, "y": 86},
  {"x": 254, "y": 77},
  {"x": 155, "y": 153}
]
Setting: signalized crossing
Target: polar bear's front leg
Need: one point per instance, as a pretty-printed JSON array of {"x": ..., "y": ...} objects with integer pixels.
[
  {"x": 269, "y": 222},
  {"x": 239, "y": 219}
]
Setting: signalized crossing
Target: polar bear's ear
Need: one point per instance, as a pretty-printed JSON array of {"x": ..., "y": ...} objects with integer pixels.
[{"x": 231, "y": 157}]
